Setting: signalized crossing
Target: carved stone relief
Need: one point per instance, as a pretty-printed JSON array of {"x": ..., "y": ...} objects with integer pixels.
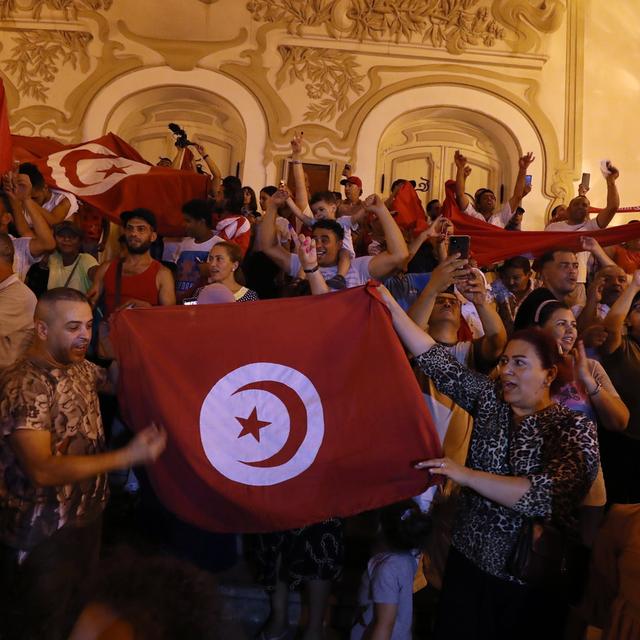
[
  {"x": 70, "y": 8},
  {"x": 330, "y": 76},
  {"x": 37, "y": 56}
]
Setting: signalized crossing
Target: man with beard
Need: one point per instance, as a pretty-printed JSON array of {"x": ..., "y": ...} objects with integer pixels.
[
  {"x": 136, "y": 280},
  {"x": 54, "y": 465}
]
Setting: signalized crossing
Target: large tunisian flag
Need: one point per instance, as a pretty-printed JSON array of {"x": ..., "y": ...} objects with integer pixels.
[
  {"x": 111, "y": 176},
  {"x": 491, "y": 244},
  {"x": 279, "y": 413}
]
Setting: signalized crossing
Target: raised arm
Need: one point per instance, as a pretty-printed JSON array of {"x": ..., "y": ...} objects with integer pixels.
[
  {"x": 613, "y": 198},
  {"x": 306, "y": 220},
  {"x": 267, "y": 236},
  {"x": 461, "y": 180},
  {"x": 216, "y": 174},
  {"x": 396, "y": 252},
  {"x": 519, "y": 188},
  {"x": 612, "y": 412},
  {"x": 302, "y": 197},
  {"x": 614, "y": 321},
  {"x": 593, "y": 246},
  {"x": 42, "y": 240},
  {"x": 306, "y": 248},
  {"x": 494, "y": 340},
  {"x": 448, "y": 272}
]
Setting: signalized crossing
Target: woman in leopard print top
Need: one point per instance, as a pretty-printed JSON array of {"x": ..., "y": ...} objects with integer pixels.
[{"x": 528, "y": 457}]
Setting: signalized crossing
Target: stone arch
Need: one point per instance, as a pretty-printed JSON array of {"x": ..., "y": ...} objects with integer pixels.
[
  {"x": 502, "y": 117},
  {"x": 103, "y": 113}
]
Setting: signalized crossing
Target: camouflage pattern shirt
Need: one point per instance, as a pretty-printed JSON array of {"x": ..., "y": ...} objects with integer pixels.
[{"x": 37, "y": 395}]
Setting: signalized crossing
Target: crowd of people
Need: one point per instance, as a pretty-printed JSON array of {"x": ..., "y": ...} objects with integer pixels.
[{"x": 529, "y": 369}]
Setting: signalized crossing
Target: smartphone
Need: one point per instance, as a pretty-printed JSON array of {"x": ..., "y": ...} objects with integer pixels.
[
  {"x": 586, "y": 177},
  {"x": 527, "y": 180},
  {"x": 461, "y": 245}
]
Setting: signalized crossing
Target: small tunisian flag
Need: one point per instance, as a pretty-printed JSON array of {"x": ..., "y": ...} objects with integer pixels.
[
  {"x": 112, "y": 176},
  {"x": 6, "y": 153},
  {"x": 277, "y": 428}
]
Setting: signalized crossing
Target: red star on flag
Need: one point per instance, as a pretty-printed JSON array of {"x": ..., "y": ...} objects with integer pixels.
[{"x": 252, "y": 425}]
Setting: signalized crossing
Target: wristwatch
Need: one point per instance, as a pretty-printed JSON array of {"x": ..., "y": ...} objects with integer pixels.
[{"x": 311, "y": 270}]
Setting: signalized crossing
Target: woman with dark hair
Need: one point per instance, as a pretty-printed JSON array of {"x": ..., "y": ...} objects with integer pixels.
[
  {"x": 224, "y": 269},
  {"x": 529, "y": 458},
  {"x": 249, "y": 204}
]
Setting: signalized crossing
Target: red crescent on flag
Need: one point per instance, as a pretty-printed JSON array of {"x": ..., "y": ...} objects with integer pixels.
[
  {"x": 70, "y": 164},
  {"x": 297, "y": 421}
]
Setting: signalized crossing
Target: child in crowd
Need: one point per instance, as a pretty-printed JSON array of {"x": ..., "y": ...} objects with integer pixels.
[
  {"x": 386, "y": 591},
  {"x": 323, "y": 206}
]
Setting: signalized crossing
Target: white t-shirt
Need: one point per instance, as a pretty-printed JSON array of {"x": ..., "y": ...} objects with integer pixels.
[
  {"x": 347, "y": 224},
  {"x": 583, "y": 256},
  {"x": 22, "y": 258},
  {"x": 56, "y": 198},
  {"x": 357, "y": 275},
  {"x": 498, "y": 219}
]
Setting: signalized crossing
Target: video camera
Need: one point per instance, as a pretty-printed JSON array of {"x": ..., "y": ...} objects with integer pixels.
[{"x": 181, "y": 135}]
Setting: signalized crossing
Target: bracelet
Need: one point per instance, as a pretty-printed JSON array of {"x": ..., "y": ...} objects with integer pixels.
[
  {"x": 596, "y": 391},
  {"x": 311, "y": 270},
  {"x": 205, "y": 156},
  {"x": 296, "y": 161}
]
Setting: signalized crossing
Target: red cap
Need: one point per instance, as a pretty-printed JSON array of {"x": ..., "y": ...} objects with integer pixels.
[{"x": 352, "y": 180}]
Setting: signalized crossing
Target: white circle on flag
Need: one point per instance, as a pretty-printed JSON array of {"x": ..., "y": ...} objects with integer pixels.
[
  {"x": 245, "y": 429},
  {"x": 96, "y": 175}
]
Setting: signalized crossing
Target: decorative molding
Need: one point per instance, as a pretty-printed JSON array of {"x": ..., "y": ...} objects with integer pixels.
[
  {"x": 70, "y": 8},
  {"x": 38, "y": 56},
  {"x": 182, "y": 55},
  {"x": 294, "y": 13},
  {"x": 450, "y": 24},
  {"x": 330, "y": 74}
]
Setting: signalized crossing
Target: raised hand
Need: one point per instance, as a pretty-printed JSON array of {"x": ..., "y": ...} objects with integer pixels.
[
  {"x": 587, "y": 243},
  {"x": 279, "y": 198},
  {"x": 594, "y": 292},
  {"x": 452, "y": 270},
  {"x": 441, "y": 228},
  {"x": 473, "y": 288},
  {"x": 460, "y": 160},
  {"x": 306, "y": 249},
  {"x": 296, "y": 144},
  {"x": 199, "y": 148},
  {"x": 147, "y": 445},
  {"x": 22, "y": 186},
  {"x": 374, "y": 204},
  {"x": 614, "y": 174},
  {"x": 526, "y": 160},
  {"x": 582, "y": 190}
]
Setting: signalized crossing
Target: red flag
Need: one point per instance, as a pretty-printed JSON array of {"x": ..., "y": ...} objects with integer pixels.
[
  {"x": 6, "y": 151},
  {"x": 112, "y": 176},
  {"x": 411, "y": 215},
  {"x": 491, "y": 244},
  {"x": 277, "y": 429}
]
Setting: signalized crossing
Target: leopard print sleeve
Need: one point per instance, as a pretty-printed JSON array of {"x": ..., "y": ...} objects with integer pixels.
[
  {"x": 460, "y": 383},
  {"x": 569, "y": 466}
]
